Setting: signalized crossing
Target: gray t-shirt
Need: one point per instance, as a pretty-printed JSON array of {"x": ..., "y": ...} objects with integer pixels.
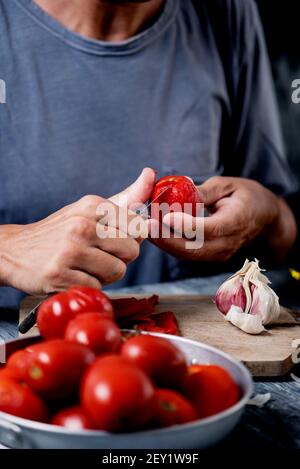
[{"x": 191, "y": 95}]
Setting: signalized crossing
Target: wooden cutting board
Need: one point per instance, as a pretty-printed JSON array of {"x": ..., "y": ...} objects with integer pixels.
[{"x": 268, "y": 354}]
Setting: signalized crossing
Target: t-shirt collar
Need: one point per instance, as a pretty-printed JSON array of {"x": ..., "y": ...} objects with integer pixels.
[{"x": 93, "y": 46}]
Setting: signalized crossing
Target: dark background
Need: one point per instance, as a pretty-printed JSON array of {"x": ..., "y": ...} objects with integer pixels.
[{"x": 281, "y": 21}]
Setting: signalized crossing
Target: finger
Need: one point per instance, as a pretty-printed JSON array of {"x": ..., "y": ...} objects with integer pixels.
[
  {"x": 172, "y": 242},
  {"x": 119, "y": 218},
  {"x": 85, "y": 207},
  {"x": 216, "y": 188},
  {"x": 139, "y": 192},
  {"x": 174, "y": 246},
  {"x": 101, "y": 265},
  {"x": 104, "y": 211},
  {"x": 107, "y": 213},
  {"x": 117, "y": 243},
  {"x": 95, "y": 208},
  {"x": 223, "y": 223},
  {"x": 183, "y": 223},
  {"x": 218, "y": 250},
  {"x": 77, "y": 277}
]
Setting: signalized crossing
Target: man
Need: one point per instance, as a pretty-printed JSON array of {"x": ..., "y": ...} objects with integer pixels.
[{"x": 98, "y": 90}]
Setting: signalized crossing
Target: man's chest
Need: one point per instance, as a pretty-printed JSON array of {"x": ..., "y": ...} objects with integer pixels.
[{"x": 90, "y": 127}]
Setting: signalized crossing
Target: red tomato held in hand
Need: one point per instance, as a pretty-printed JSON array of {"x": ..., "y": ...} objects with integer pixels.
[
  {"x": 99, "y": 334},
  {"x": 55, "y": 312},
  {"x": 55, "y": 367},
  {"x": 171, "y": 408},
  {"x": 157, "y": 357},
  {"x": 178, "y": 190},
  {"x": 73, "y": 418},
  {"x": 211, "y": 389},
  {"x": 116, "y": 394},
  {"x": 18, "y": 399}
]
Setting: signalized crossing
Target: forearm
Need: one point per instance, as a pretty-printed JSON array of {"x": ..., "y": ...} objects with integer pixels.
[{"x": 7, "y": 261}]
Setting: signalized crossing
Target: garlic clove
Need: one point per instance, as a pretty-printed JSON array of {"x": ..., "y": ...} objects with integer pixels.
[
  {"x": 231, "y": 293},
  {"x": 251, "y": 324},
  {"x": 265, "y": 303}
]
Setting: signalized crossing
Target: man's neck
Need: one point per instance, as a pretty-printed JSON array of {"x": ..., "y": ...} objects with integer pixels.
[{"x": 102, "y": 20}]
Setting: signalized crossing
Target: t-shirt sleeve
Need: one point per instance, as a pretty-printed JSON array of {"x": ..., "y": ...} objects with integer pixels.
[{"x": 257, "y": 144}]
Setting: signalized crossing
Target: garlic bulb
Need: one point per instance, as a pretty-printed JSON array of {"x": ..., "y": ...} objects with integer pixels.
[{"x": 246, "y": 299}]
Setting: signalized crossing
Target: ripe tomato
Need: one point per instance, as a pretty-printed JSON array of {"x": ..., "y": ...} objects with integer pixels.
[
  {"x": 55, "y": 367},
  {"x": 7, "y": 372},
  {"x": 171, "y": 408},
  {"x": 18, "y": 399},
  {"x": 99, "y": 334},
  {"x": 177, "y": 190},
  {"x": 55, "y": 313},
  {"x": 18, "y": 362},
  {"x": 157, "y": 357},
  {"x": 73, "y": 418},
  {"x": 116, "y": 394},
  {"x": 211, "y": 389}
]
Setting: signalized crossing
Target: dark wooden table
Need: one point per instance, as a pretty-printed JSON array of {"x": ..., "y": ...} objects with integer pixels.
[{"x": 277, "y": 424}]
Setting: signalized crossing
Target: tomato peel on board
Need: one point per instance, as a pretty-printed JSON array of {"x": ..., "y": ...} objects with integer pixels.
[
  {"x": 130, "y": 307},
  {"x": 140, "y": 314},
  {"x": 163, "y": 323}
]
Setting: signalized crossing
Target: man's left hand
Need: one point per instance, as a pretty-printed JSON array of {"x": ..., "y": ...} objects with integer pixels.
[{"x": 240, "y": 210}]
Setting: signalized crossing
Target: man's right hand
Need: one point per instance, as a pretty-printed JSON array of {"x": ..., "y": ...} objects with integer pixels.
[{"x": 64, "y": 248}]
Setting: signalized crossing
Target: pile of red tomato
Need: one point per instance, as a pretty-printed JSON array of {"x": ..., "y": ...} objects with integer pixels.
[{"x": 86, "y": 374}]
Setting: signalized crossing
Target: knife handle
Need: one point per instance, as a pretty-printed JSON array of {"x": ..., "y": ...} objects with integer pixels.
[{"x": 29, "y": 321}]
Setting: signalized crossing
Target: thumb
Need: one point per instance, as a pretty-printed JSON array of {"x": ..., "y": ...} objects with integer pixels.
[
  {"x": 216, "y": 188},
  {"x": 139, "y": 192}
]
